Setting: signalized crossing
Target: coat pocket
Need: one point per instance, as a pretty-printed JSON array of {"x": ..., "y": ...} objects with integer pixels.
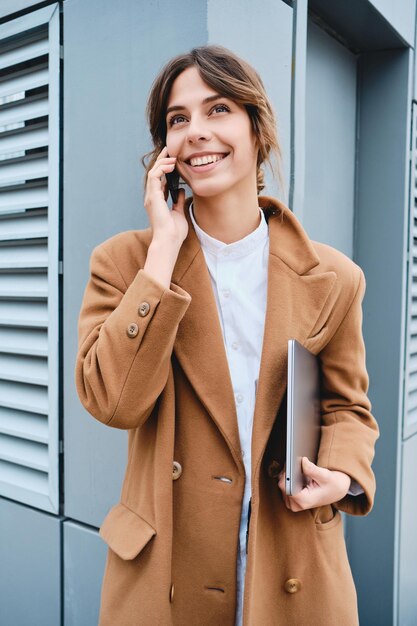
[
  {"x": 326, "y": 516},
  {"x": 125, "y": 532}
]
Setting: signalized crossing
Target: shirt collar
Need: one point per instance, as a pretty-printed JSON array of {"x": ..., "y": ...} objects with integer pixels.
[{"x": 236, "y": 249}]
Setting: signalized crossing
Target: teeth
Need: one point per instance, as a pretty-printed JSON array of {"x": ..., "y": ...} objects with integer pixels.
[{"x": 209, "y": 158}]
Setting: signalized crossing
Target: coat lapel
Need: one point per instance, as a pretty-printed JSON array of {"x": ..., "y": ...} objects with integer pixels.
[
  {"x": 294, "y": 302},
  {"x": 199, "y": 344}
]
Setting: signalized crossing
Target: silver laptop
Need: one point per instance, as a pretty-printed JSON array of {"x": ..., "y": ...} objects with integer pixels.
[{"x": 303, "y": 413}]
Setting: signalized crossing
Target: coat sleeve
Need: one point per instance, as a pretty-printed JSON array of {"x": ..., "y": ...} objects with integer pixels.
[
  {"x": 124, "y": 353},
  {"x": 349, "y": 430}
]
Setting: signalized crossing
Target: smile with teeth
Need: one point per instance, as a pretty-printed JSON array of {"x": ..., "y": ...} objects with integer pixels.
[{"x": 208, "y": 158}]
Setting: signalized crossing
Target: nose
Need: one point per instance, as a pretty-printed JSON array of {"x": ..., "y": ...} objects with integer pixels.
[{"x": 197, "y": 130}]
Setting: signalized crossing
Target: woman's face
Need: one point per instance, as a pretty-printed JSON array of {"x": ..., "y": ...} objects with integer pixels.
[{"x": 211, "y": 136}]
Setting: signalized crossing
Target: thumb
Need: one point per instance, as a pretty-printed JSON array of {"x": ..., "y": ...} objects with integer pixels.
[
  {"x": 180, "y": 203},
  {"x": 319, "y": 474}
]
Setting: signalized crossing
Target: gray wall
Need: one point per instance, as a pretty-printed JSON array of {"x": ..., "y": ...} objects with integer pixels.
[
  {"x": 330, "y": 147},
  {"x": 30, "y": 571},
  {"x": 383, "y": 153}
]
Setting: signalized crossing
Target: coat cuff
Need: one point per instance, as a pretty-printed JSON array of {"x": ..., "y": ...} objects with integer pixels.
[{"x": 336, "y": 454}]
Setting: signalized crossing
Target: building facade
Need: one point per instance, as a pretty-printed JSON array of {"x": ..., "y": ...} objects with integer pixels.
[{"x": 75, "y": 75}]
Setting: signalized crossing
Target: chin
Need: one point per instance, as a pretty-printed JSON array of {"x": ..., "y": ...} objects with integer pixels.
[{"x": 205, "y": 189}]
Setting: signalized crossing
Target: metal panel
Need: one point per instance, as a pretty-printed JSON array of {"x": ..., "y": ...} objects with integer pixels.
[
  {"x": 330, "y": 147},
  {"x": 410, "y": 378},
  {"x": 364, "y": 28},
  {"x": 30, "y": 572},
  {"x": 103, "y": 190},
  {"x": 380, "y": 249},
  {"x": 29, "y": 190},
  {"x": 407, "y": 580},
  {"x": 400, "y": 15},
  {"x": 10, "y": 7},
  {"x": 84, "y": 558}
]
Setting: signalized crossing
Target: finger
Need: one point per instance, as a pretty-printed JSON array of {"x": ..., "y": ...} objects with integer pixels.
[
  {"x": 156, "y": 173},
  {"x": 320, "y": 474},
  {"x": 303, "y": 500},
  {"x": 281, "y": 482},
  {"x": 163, "y": 152},
  {"x": 171, "y": 161}
]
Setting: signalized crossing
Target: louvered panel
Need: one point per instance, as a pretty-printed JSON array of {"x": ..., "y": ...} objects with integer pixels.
[
  {"x": 412, "y": 345},
  {"x": 24, "y": 425},
  {"x": 410, "y": 375},
  {"x": 29, "y": 222},
  {"x": 412, "y": 383},
  {"x": 28, "y": 256},
  {"x": 22, "y": 199},
  {"x": 30, "y": 80},
  {"x": 31, "y": 226},
  {"x": 23, "y": 314},
  {"x": 26, "y": 286},
  {"x": 20, "y": 141},
  {"x": 30, "y": 398},
  {"x": 412, "y": 401},
  {"x": 412, "y": 417},
  {"x": 24, "y": 482},
  {"x": 23, "y": 170},
  {"x": 24, "y": 369},
  {"x": 29, "y": 341},
  {"x": 27, "y": 453},
  {"x": 24, "y": 53},
  {"x": 23, "y": 112},
  {"x": 412, "y": 363}
]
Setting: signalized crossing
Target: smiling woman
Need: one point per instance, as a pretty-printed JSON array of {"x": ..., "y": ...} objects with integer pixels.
[
  {"x": 226, "y": 157},
  {"x": 183, "y": 339}
]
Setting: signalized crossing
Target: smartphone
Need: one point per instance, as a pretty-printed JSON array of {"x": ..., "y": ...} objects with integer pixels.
[{"x": 173, "y": 179}]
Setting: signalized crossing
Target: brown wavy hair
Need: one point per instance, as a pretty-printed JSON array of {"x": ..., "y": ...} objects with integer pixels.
[{"x": 231, "y": 77}]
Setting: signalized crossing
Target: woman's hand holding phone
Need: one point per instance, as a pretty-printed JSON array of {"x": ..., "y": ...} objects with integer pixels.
[{"x": 169, "y": 226}]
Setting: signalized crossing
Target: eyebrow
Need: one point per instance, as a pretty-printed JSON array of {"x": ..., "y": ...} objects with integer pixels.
[{"x": 180, "y": 107}]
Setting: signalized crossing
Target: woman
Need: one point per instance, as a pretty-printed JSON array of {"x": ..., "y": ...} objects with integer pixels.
[{"x": 183, "y": 340}]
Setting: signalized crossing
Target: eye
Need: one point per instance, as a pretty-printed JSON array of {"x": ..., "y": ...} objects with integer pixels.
[
  {"x": 176, "y": 119},
  {"x": 220, "y": 108}
]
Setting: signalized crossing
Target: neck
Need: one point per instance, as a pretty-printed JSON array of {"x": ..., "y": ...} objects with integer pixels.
[{"x": 228, "y": 217}]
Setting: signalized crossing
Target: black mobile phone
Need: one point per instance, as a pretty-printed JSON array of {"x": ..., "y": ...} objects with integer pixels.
[{"x": 173, "y": 179}]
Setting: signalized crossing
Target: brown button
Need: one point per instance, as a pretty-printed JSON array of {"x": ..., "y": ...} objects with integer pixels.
[
  {"x": 143, "y": 309},
  {"x": 171, "y": 594},
  {"x": 292, "y": 585},
  {"x": 274, "y": 469},
  {"x": 132, "y": 330},
  {"x": 176, "y": 470}
]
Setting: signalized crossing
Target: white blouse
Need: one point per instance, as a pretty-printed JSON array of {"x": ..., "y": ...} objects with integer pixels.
[{"x": 238, "y": 274}]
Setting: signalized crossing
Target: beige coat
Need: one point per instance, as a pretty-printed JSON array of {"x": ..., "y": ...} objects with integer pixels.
[{"x": 152, "y": 360}]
